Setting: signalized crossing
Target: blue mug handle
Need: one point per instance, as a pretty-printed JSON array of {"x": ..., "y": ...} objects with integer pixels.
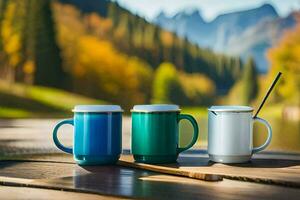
[{"x": 55, "y": 139}]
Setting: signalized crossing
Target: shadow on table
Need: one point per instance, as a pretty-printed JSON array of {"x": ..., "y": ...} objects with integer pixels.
[
  {"x": 268, "y": 163},
  {"x": 133, "y": 183},
  {"x": 192, "y": 161}
]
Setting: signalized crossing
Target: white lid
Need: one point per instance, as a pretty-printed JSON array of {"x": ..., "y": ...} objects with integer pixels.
[
  {"x": 230, "y": 109},
  {"x": 155, "y": 108},
  {"x": 97, "y": 108}
]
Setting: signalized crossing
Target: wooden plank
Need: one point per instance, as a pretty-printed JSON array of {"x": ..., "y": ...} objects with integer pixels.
[
  {"x": 30, "y": 170},
  {"x": 33, "y": 136},
  {"x": 25, "y": 193},
  {"x": 206, "y": 176},
  {"x": 167, "y": 170},
  {"x": 263, "y": 170},
  {"x": 131, "y": 183},
  {"x": 49, "y": 157},
  {"x": 45, "y": 184}
]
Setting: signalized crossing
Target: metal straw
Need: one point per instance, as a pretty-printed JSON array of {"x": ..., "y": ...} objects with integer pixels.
[{"x": 268, "y": 93}]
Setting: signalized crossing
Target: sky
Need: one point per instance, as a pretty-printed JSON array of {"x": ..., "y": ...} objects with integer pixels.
[{"x": 209, "y": 8}]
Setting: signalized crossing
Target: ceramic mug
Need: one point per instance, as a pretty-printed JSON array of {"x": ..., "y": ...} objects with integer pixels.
[
  {"x": 97, "y": 134},
  {"x": 155, "y": 133},
  {"x": 230, "y": 134}
]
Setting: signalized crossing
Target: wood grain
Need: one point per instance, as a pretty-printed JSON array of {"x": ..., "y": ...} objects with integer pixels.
[
  {"x": 120, "y": 182},
  {"x": 206, "y": 176},
  {"x": 25, "y": 193},
  {"x": 262, "y": 170}
]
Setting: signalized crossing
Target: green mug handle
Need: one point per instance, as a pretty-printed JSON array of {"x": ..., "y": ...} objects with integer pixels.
[{"x": 192, "y": 120}]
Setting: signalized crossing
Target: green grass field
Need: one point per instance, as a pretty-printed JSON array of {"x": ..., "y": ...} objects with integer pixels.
[{"x": 23, "y": 101}]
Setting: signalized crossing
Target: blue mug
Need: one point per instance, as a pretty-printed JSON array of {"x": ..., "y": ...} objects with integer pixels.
[{"x": 97, "y": 134}]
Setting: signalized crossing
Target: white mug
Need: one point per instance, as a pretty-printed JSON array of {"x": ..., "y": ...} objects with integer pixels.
[{"x": 230, "y": 137}]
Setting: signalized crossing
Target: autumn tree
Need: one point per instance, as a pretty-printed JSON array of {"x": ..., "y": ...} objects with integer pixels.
[
  {"x": 11, "y": 34},
  {"x": 285, "y": 57},
  {"x": 96, "y": 67},
  {"x": 166, "y": 85},
  {"x": 137, "y": 37},
  {"x": 102, "y": 50},
  {"x": 28, "y": 42},
  {"x": 3, "y": 4},
  {"x": 198, "y": 89},
  {"x": 2, "y": 11}
]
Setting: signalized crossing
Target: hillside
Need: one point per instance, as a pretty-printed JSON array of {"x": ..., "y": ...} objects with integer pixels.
[
  {"x": 23, "y": 101},
  {"x": 242, "y": 33},
  {"x": 98, "y": 49},
  {"x": 134, "y": 36}
]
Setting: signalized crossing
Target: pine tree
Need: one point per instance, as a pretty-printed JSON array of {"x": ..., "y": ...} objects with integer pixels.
[
  {"x": 11, "y": 33},
  {"x": 2, "y": 11},
  {"x": 128, "y": 30},
  {"x": 47, "y": 58},
  {"x": 249, "y": 81},
  {"x": 23, "y": 12},
  {"x": 237, "y": 68},
  {"x": 113, "y": 13}
]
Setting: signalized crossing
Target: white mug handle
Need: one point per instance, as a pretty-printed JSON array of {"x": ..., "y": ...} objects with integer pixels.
[{"x": 262, "y": 147}]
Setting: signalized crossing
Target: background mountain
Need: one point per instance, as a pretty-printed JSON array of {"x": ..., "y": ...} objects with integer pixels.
[
  {"x": 245, "y": 33},
  {"x": 98, "y": 49},
  {"x": 134, "y": 36}
]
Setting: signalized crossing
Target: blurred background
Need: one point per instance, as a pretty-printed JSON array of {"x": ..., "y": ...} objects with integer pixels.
[{"x": 55, "y": 54}]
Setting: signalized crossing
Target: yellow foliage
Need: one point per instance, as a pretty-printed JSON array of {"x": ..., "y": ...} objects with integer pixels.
[
  {"x": 167, "y": 38},
  {"x": 96, "y": 65},
  {"x": 198, "y": 88},
  {"x": 13, "y": 60},
  {"x": 285, "y": 57},
  {"x": 118, "y": 75},
  {"x": 166, "y": 85},
  {"x": 120, "y": 31},
  {"x": 11, "y": 35},
  {"x": 172, "y": 86},
  {"x": 100, "y": 25},
  {"x": 98, "y": 69},
  {"x": 67, "y": 20},
  {"x": 12, "y": 44},
  {"x": 6, "y": 30},
  {"x": 234, "y": 95},
  {"x": 29, "y": 67},
  {"x": 197, "y": 83}
]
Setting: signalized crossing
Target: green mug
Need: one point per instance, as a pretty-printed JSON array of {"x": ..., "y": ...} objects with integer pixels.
[{"x": 155, "y": 133}]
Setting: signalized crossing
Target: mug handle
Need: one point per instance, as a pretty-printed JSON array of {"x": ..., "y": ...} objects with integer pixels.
[
  {"x": 192, "y": 120},
  {"x": 55, "y": 139},
  {"x": 267, "y": 142}
]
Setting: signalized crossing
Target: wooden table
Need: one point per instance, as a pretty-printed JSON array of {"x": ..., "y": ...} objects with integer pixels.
[
  {"x": 51, "y": 174},
  {"x": 30, "y": 170}
]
